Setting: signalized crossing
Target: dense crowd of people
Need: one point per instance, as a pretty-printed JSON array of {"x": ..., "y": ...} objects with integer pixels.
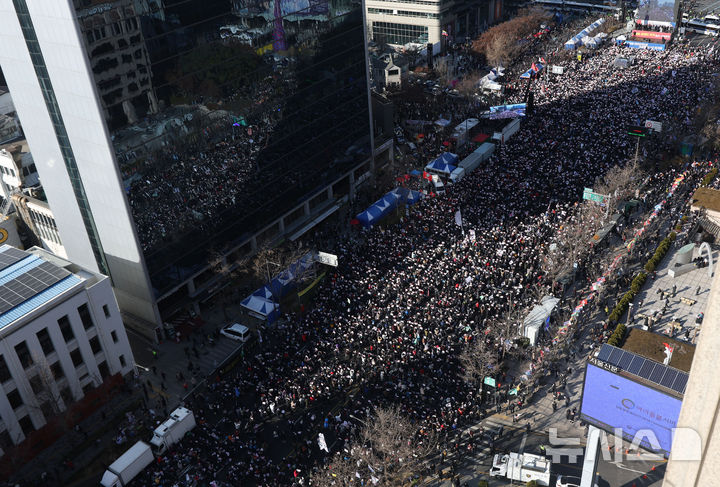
[{"x": 389, "y": 325}]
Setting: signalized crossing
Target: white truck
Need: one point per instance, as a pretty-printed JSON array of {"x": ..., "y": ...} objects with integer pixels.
[
  {"x": 456, "y": 175},
  {"x": 172, "y": 430},
  {"x": 130, "y": 463},
  {"x": 522, "y": 466},
  {"x": 507, "y": 131}
]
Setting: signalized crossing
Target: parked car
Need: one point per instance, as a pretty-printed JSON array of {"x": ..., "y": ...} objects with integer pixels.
[{"x": 236, "y": 331}]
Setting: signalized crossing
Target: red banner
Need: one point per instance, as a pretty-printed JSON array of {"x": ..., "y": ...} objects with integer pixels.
[{"x": 649, "y": 34}]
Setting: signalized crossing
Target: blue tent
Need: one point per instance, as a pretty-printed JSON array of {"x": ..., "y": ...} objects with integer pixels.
[
  {"x": 407, "y": 196},
  {"x": 285, "y": 282},
  {"x": 438, "y": 165},
  {"x": 378, "y": 210},
  {"x": 415, "y": 173},
  {"x": 448, "y": 158},
  {"x": 261, "y": 308},
  {"x": 264, "y": 292}
]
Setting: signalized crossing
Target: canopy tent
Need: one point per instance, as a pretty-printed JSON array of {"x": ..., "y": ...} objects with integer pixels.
[
  {"x": 536, "y": 68},
  {"x": 264, "y": 292},
  {"x": 448, "y": 157},
  {"x": 416, "y": 173},
  {"x": 407, "y": 196},
  {"x": 537, "y": 316},
  {"x": 441, "y": 122},
  {"x": 286, "y": 281},
  {"x": 378, "y": 210},
  {"x": 439, "y": 166},
  {"x": 583, "y": 37},
  {"x": 261, "y": 308}
]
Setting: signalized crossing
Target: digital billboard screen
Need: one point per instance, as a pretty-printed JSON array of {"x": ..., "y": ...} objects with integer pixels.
[
  {"x": 660, "y": 12},
  {"x": 612, "y": 401}
]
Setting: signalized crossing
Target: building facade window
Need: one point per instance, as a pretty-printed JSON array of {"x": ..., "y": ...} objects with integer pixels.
[
  {"x": 57, "y": 371},
  {"x": 23, "y": 353},
  {"x": 95, "y": 345},
  {"x": 45, "y": 341},
  {"x": 114, "y": 336},
  {"x": 85, "y": 316},
  {"x": 66, "y": 328},
  {"x": 122, "y": 361},
  {"x": 4, "y": 370},
  {"x": 399, "y": 34},
  {"x": 76, "y": 357},
  {"x": 106, "y": 310},
  {"x": 14, "y": 399}
]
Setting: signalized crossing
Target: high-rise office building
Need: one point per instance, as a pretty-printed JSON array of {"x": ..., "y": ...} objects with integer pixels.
[{"x": 263, "y": 127}]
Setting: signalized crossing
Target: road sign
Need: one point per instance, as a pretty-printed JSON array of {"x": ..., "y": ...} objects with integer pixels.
[
  {"x": 588, "y": 194},
  {"x": 489, "y": 381},
  {"x": 327, "y": 259}
]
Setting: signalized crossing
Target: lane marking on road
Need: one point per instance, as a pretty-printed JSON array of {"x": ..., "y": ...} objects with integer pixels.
[
  {"x": 623, "y": 467},
  {"x": 522, "y": 443}
]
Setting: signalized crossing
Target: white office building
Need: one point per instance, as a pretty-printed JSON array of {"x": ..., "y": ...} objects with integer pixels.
[
  {"x": 43, "y": 58},
  {"x": 61, "y": 335},
  {"x": 415, "y": 23}
]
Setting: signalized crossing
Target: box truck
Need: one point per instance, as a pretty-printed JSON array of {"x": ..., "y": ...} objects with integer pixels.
[
  {"x": 522, "y": 466},
  {"x": 130, "y": 463},
  {"x": 172, "y": 430}
]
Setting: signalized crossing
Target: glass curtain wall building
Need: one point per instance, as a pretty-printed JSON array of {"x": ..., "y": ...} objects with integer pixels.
[{"x": 169, "y": 135}]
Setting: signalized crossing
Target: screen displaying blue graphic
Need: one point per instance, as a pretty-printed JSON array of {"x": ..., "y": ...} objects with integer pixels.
[{"x": 611, "y": 401}]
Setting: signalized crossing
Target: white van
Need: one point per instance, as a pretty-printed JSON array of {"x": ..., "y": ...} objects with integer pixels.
[{"x": 236, "y": 331}]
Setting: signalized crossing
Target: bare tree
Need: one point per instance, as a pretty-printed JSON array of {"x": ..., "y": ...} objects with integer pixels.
[
  {"x": 571, "y": 244},
  {"x": 477, "y": 360},
  {"x": 392, "y": 448},
  {"x": 47, "y": 392},
  {"x": 469, "y": 84},
  {"x": 620, "y": 182},
  {"x": 338, "y": 472},
  {"x": 502, "y": 42}
]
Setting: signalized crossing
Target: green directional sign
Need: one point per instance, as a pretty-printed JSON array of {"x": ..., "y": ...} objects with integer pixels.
[
  {"x": 489, "y": 381},
  {"x": 588, "y": 194}
]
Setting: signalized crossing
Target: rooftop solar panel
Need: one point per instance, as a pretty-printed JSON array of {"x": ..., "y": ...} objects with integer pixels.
[
  {"x": 29, "y": 284},
  {"x": 669, "y": 378},
  {"x": 680, "y": 383},
  {"x": 625, "y": 360},
  {"x": 657, "y": 373},
  {"x": 635, "y": 365},
  {"x": 604, "y": 353},
  {"x": 615, "y": 355},
  {"x": 10, "y": 256},
  {"x": 647, "y": 369}
]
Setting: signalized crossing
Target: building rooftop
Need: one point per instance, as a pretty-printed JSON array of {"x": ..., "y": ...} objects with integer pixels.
[
  {"x": 28, "y": 281},
  {"x": 651, "y": 345},
  {"x": 707, "y": 198}
]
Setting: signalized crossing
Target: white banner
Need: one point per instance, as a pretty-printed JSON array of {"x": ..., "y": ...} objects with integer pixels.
[
  {"x": 458, "y": 218},
  {"x": 321, "y": 442}
]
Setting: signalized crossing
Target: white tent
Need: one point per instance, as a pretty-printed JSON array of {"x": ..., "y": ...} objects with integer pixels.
[{"x": 538, "y": 315}]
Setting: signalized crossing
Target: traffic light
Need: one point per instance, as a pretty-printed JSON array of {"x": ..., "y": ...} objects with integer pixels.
[{"x": 637, "y": 131}]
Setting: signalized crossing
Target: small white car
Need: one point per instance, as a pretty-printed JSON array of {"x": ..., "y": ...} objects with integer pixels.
[{"x": 236, "y": 331}]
